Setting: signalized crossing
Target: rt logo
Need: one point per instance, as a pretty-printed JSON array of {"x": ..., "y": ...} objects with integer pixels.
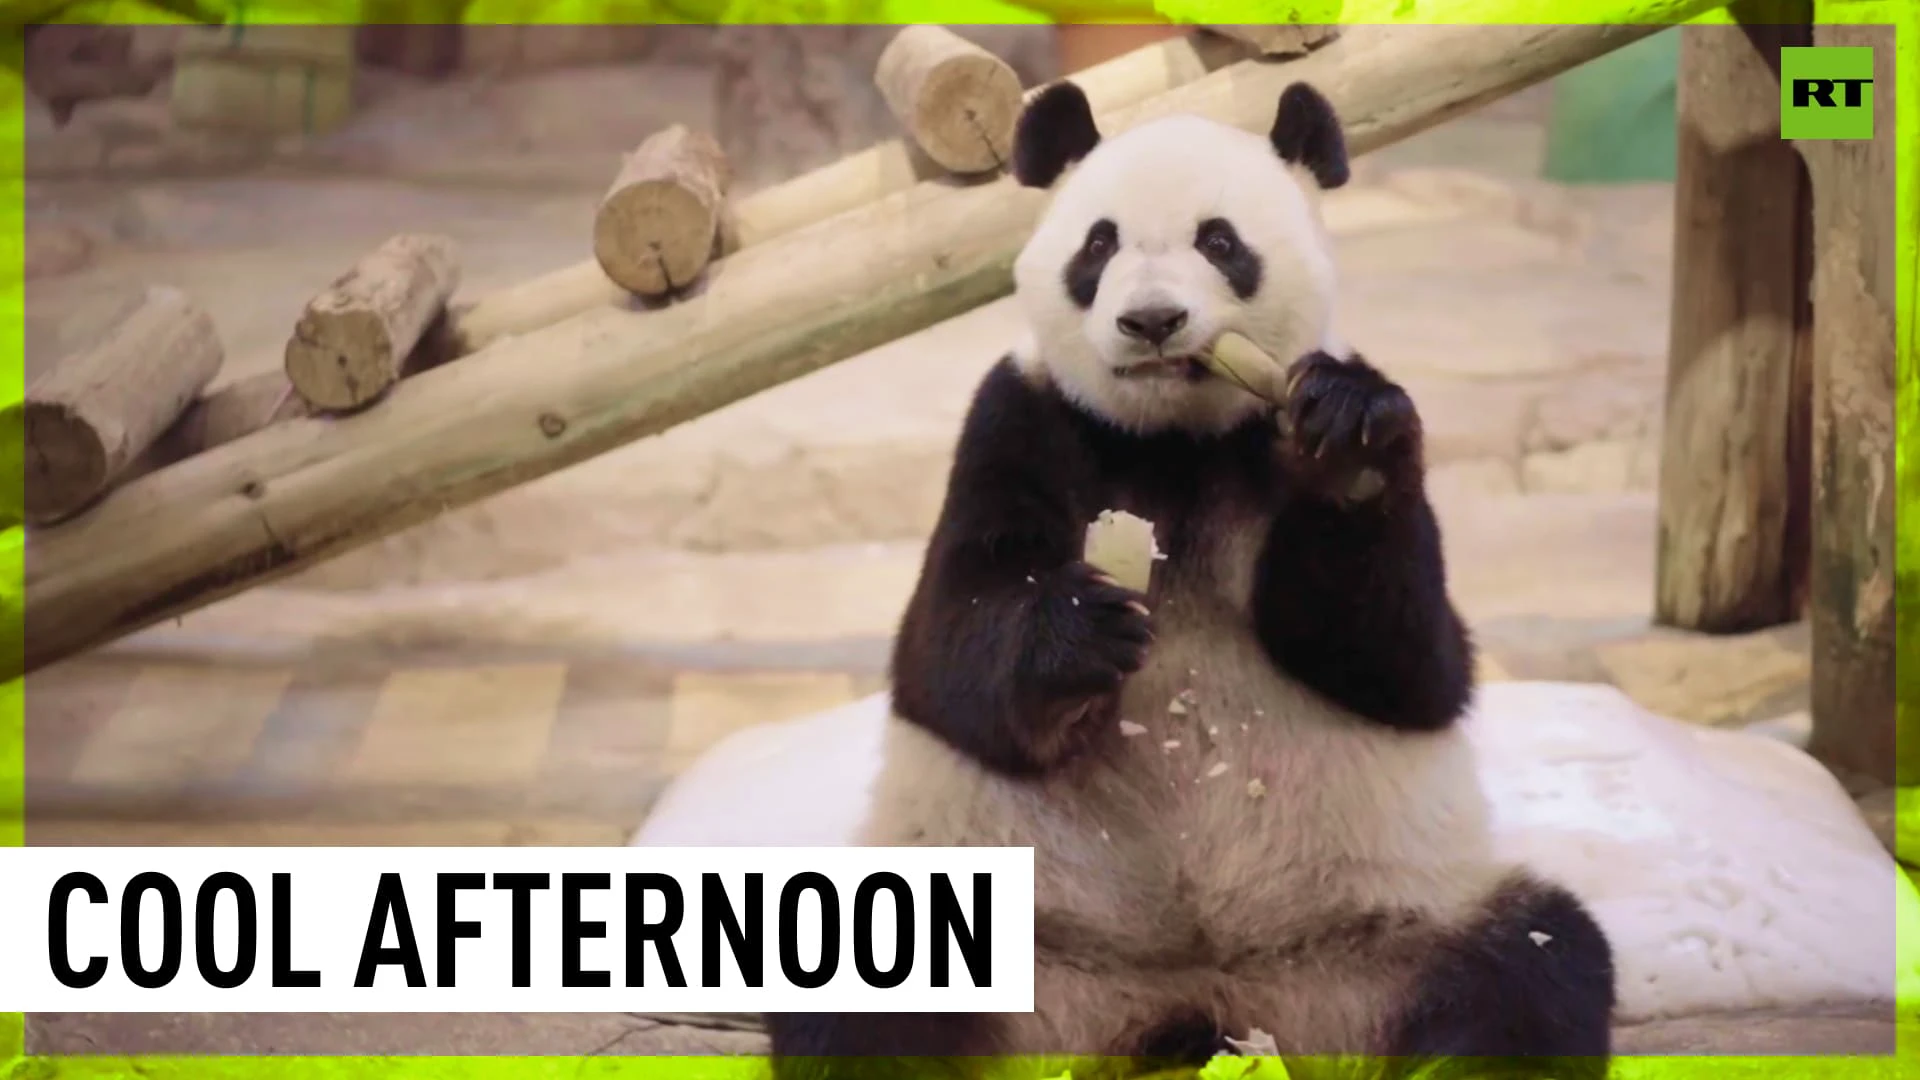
[{"x": 1826, "y": 92}]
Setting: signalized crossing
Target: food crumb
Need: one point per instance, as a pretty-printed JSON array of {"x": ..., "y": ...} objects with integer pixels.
[
  {"x": 1130, "y": 729},
  {"x": 1171, "y": 744},
  {"x": 1539, "y": 938},
  {"x": 1256, "y": 787},
  {"x": 1219, "y": 769}
]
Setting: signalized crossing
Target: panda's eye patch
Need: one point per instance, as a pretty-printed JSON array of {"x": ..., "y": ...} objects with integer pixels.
[
  {"x": 1082, "y": 277},
  {"x": 1217, "y": 240},
  {"x": 1216, "y": 237}
]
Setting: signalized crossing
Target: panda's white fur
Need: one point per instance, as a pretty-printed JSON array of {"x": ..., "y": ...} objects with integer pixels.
[{"x": 1231, "y": 844}]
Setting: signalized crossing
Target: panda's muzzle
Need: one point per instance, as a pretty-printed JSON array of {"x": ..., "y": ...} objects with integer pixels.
[{"x": 1184, "y": 368}]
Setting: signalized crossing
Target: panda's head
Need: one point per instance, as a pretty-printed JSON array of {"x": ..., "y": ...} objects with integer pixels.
[{"x": 1162, "y": 238}]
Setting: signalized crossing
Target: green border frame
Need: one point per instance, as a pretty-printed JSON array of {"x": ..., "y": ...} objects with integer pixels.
[{"x": 1904, "y": 14}]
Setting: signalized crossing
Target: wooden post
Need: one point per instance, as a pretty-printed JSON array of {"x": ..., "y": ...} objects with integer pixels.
[
  {"x": 301, "y": 491},
  {"x": 1854, "y": 341},
  {"x": 1734, "y": 471}
]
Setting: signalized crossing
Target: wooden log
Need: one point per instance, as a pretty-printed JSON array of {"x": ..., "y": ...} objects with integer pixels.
[
  {"x": 1281, "y": 39},
  {"x": 544, "y": 401},
  {"x": 353, "y": 340},
  {"x": 1854, "y": 345},
  {"x": 848, "y": 184},
  {"x": 660, "y": 221},
  {"x": 240, "y": 408},
  {"x": 96, "y": 411},
  {"x": 1735, "y": 478},
  {"x": 958, "y": 101}
]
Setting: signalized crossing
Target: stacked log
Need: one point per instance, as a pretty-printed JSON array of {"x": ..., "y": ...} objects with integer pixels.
[{"x": 95, "y": 412}]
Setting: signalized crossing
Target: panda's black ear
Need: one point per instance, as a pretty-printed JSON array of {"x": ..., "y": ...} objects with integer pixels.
[
  {"x": 1054, "y": 131},
  {"x": 1306, "y": 132}
]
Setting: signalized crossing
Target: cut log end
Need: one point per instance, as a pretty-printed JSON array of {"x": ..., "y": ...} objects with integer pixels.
[
  {"x": 68, "y": 461},
  {"x": 654, "y": 237},
  {"x": 342, "y": 359},
  {"x": 354, "y": 339},
  {"x": 958, "y": 101},
  {"x": 659, "y": 224},
  {"x": 965, "y": 114}
]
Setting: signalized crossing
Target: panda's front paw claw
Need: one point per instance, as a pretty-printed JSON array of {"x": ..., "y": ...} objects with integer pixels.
[{"x": 1344, "y": 419}]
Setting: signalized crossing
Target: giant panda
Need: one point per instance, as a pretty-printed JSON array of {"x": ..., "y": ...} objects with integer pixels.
[{"x": 1249, "y": 802}]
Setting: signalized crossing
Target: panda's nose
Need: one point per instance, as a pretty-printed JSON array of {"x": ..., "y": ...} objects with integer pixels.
[{"x": 1153, "y": 325}]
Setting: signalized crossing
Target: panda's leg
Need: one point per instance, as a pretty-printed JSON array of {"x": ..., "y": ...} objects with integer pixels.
[
  {"x": 880, "y": 1046},
  {"x": 1526, "y": 991}
]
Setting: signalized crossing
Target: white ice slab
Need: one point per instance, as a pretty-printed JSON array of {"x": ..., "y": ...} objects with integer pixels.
[{"x": 1730, "y": 870}]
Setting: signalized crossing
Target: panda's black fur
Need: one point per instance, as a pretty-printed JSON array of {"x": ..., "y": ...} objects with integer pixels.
[{"x": 1319, "y": 632}]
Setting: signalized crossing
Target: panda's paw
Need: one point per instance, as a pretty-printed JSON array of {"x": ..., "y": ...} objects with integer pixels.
[
  {"x": 1349, "y": 430},
  {"x": 1091, "y": 634}
]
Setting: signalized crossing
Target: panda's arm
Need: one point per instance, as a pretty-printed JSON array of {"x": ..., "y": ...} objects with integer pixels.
[
  {"x": 1010, "y": 642},
  {"x": 1350, "y": 594}
]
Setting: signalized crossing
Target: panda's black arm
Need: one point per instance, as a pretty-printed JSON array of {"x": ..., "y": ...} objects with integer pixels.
[
  {"x": 1350, "y": 595},
  {"x": 1008, "y": 638}
]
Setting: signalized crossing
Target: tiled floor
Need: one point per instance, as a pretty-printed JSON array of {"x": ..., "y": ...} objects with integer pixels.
[
  {"x": 418, "y": 749},
  {"x": 397, "y": 750}
]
